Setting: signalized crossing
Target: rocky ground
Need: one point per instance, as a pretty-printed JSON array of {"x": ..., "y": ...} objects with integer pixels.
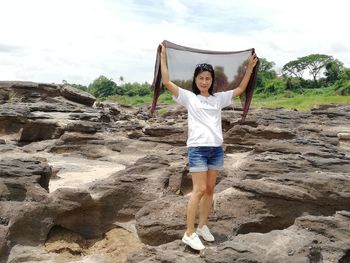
[{"x": 98, "y": 182}]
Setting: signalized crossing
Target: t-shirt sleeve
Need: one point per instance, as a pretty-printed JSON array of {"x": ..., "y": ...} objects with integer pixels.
[
  {"x": 184, "y": 97},
  {"x": 225, "y": 98}
]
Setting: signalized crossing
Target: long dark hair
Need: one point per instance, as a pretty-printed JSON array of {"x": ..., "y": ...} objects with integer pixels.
[{"x": 199, "y": 69}]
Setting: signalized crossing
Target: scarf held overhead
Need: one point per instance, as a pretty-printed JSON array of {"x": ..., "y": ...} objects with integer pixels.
[{"x": 229, "y": 69}]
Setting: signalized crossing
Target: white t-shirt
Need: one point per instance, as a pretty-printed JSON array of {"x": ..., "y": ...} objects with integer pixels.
[{"x": 204, "y": 116}]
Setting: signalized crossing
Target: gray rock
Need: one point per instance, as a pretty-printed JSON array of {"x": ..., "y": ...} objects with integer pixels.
[
  {"x": 77, "y": 95},
  {"x": 286, "y": 175}
]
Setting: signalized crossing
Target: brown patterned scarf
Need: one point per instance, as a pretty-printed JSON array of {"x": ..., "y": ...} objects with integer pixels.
[{"x": 229, "y": 70}]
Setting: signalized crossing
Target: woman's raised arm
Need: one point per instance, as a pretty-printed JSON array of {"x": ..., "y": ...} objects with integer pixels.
[
  {"x": 172, "y": 87},
  {"x": 244, "y": 83}
]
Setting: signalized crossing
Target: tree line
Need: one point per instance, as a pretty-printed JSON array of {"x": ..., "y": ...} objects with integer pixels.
[
  {"x": 308, "y": 72},
  {"x": 103, "y": 87}
]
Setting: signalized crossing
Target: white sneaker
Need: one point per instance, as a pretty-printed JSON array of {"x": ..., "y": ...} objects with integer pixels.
[
  {"x": 193, "y": 241},
  {"x": 204, "y": 232}
]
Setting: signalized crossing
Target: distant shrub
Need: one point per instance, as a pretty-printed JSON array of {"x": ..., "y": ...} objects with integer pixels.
[
  {"x": 274, "y": 86},
  {"x": 343, "y": 88},
  {"x": 288, "y": 94}
]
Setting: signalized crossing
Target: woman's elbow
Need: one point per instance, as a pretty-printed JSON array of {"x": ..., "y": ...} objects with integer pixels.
[
  {"x": 167, "y": 85},
  {"x": 237, "y": 92}
]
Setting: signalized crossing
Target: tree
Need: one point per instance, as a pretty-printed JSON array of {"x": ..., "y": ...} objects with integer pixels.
[
  {"x": 121, "y": 80},
  {"x": 342, "y": 86},
  {"x": 265, "y": 73},
  {"x": 294, "y": 68},
  {"x": 266, "y": 66},
  {"x": 315, "y": 63},
  {"x": 293, "y": 83},
  {"x": 333, "y": 71},
  {"x": 102, "y": 87},
  {"x": 134, "y": 89}
]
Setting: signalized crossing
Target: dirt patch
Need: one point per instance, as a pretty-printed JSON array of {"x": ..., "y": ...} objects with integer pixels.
[{"x": 116, "y": 245}]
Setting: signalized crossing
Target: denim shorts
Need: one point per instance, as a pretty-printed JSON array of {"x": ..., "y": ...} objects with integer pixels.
[{"x": 203, "y": 158}]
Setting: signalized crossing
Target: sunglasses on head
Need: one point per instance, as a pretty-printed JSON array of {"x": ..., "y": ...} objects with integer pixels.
[{"x": 205, "y": 66}]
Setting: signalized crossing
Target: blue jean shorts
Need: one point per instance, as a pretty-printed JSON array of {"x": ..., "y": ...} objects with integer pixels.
[{"x": 203, "y": 158}]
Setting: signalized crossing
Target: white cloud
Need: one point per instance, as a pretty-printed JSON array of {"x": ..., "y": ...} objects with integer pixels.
[
  {"x": 177, "y": 8},
  {"x": 78, "y": 40}
]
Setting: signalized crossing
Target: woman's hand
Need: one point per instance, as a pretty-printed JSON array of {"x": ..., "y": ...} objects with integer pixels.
[
  {"x": 252, "y": 61},
  {"x": 163, "y": 52},
  {"x": 243, "y": 85},
  {"x": 165, "y": 74}
]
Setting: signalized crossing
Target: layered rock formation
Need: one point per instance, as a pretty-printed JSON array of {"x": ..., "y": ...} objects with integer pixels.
[{"x": 69, "y": 167}]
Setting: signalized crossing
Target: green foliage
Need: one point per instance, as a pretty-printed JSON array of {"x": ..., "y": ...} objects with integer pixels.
[
  {"x": 265, "y": 74},
  {"x": 266, "y": 66},
  {"x": 102, "y": 87},
  {"x": 294, "y": 68},
  {"x": 166, "y": 97},
  {"x": 345, "y": 90},
  {"x": 293, "y": 83},
  {"x": 333, "y": 71},
  {"x": 273, "y": 87},
  {"x": 342, "y": 86},
  {"x": 315, "y": 63},
  {"x": 323, "y": 92},
  {"x": 308, "y": 84},
  {"x": 290, "y": 86},
  {"x": 312, "y": 64},
  {"x": 134, "y": 89},
  {"x": 288, "y": 94},
  {"x": 345, "y": 74},
  {"x": 130, "y": 100},
  {"x": 299, "y": 101}
]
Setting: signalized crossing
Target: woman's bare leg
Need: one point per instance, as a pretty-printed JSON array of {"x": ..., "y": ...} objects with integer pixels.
[
  {"x": 199, "y": 181},
  {"x": 207, "y": 199}
]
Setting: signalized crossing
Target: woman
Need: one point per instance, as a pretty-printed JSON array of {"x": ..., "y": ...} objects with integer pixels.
[{"x": 205, "y": 152}]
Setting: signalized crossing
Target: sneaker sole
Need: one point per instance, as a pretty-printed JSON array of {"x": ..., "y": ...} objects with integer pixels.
[
  {"x": 204, "y": 238},
  {"x": 184, "y": 241}
]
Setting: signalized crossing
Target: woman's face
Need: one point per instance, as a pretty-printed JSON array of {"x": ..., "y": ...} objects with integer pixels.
[{"x": 203, "y": 81}]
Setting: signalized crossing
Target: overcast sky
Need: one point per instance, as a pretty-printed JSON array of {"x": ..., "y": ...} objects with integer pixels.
[{"x": 79, "y": 40}]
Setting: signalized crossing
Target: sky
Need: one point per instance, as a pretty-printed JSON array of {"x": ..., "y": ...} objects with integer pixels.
[{"x": 77, "y": 41}]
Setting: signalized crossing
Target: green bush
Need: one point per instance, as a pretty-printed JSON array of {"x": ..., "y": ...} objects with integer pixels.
[
  {"x": 134, "y": 89},
  {"x": 288, "y": 94},
  {"x": 274, "y": 86},
  {"x": 166, "y": 97},
  {"x": 343, "y": 88},
  {"x": 293, "y": 84},
  {"x": 102, "y": 87}
]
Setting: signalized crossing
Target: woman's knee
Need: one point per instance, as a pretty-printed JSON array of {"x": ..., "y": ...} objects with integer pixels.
[
  {"x": 209, "y": 190},
  {"x": 200, "y": 190}
]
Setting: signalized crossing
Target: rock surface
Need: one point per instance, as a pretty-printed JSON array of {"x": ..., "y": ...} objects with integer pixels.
[{"x": 99, "y": 182}]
